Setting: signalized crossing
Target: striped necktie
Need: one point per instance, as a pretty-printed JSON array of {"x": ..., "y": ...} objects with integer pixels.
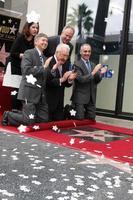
[
  {"x": 88, "y": 66},
  {"x": 41, "y": 59}
]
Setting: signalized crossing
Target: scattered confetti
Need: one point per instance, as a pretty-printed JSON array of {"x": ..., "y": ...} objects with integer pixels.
[
  {"x": 13, "y": 93},
  {"x": 33, "y": 17},
  {"x": 72, "y": 112},
  {"x": 31, "y": 79},
  {"x": 22, "y": 128},
  {"x": 72, "y": 141},
  {"x": 55, "y": 128},
  {"x": 24, "y": 188}
]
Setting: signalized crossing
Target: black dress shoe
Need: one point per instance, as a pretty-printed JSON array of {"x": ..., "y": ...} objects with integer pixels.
[{"x": 4, "y": 121}]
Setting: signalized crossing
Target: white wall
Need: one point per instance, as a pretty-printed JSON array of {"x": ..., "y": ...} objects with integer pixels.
[
  {"x": 20, "y": 6},
  {"x": 49, "y": 14}
]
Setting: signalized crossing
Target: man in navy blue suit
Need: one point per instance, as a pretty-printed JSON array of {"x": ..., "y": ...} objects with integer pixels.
[{"x": 65, "y": 37}]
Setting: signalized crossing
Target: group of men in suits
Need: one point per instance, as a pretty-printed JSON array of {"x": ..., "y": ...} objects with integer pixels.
[{"x": 43, "y": 81}]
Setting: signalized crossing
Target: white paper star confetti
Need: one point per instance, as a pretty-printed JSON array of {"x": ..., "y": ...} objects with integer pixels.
[
  {"x": 36, "y": 182},
  {"x": 130, "y": 191},
  {"x": 31, "y": 116},
  {"x": 72, "y": 112},
  {"x": 90, "y": 198},
  {"x": 36, "y": 127},
  {"x": 23, "y": 176},
  {"x": 2, "y": 174},
  {"x": 14, "y": 92},
  {"x": 81, "y": 141},
  {"x": 5, "y": 192},
  {"x": 72, "y": 141},
  {"x": 49, "y": 197},
  {"x": 14, "y": 157},
  {"x": 22, "y": 128},
  {"x": 71, "y": 188},
  {"x": 24, "y": 188},
  {"x": 31, "y": 79},
  {"x": 53, "y": 180},
  {"x": 33, "y": 17},
  {"x": 54, "y": 128}
]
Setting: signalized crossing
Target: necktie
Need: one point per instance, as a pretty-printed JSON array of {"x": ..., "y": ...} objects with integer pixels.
[
  {"x": 88, "y": 66},
  {"x": 60, "y": 70},
  {"x": 41, "y": 59}
]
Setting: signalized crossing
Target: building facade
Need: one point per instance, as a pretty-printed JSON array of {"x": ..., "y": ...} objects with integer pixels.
[{"x": 108, "y": 26}]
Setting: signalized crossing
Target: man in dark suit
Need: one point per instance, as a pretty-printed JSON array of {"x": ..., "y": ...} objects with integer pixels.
[
  {"x": 85, "y": 84},
  {"x": 58, "y": 77},
  {"x": 32, "y": 87},
  {"x": 65, "y": 38}
]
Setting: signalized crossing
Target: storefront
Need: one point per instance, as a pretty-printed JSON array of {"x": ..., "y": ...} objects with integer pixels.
[{"x": 108, "y": 26}]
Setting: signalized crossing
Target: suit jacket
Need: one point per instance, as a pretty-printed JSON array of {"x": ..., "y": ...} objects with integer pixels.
[
  {"x": 85, "y": 84},
  {"x": 31, "y": 65},
  {"x": 55, "y": 91},
  {"x": 52, "y": 44}
]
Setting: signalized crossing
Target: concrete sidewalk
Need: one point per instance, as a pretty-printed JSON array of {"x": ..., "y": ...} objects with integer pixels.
[{"x": 31, "y": 169}]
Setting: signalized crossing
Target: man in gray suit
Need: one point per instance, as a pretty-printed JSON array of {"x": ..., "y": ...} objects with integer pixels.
[
  {"x": 85, "y": 85},
  {"x": 32, "y": 88}
]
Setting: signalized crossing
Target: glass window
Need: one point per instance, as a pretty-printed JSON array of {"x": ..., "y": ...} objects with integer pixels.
[
  {"x": 128, "y": 90},
  {"x": 115, "y": 11},
  {"x": 106, "y": 94},
  {"x": 95, "y": 23}
]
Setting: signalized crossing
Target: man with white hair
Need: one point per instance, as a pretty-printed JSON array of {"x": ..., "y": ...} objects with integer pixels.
[{"x": 58, "y": 78}]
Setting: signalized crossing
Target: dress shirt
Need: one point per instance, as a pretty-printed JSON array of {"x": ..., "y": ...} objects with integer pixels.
[{"x": 87, "y": 64}]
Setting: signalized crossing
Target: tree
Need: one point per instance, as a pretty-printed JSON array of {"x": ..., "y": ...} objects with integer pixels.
[{"x": 82, "y": 18}]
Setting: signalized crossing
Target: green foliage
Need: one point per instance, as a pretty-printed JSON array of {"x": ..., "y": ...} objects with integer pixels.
[{"x": 81, "y": 18}]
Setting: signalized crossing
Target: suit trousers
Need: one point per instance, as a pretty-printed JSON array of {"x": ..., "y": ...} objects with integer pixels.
[
  {"x": 85, "y": 111},
  {"x": 30, "y": 114},
  {"x": 56, "y": 114}
]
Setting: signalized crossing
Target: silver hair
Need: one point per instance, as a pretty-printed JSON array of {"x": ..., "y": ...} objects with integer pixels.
[
  {"x": 39, "y": 35},
  {"x": 61, "y": 47},
  {"x": 83, "y": 45}
]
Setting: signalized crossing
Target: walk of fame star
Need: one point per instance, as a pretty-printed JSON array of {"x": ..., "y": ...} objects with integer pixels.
[
  {"x": 3, "y": 54},
  {"x": 100, "y": 135},
  {"x": 97, "y": 160}
]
